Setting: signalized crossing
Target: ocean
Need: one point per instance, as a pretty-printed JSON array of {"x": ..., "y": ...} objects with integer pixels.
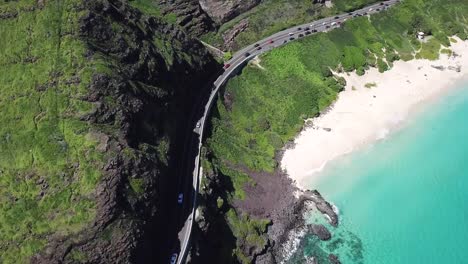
[{"x": 403, "y": 199}]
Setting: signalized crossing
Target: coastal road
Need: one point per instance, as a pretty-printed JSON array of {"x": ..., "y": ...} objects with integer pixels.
[{"x": 237, "y": 62}]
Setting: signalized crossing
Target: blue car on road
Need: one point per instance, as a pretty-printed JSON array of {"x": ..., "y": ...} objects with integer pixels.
[{"x": 174, "y": 258}]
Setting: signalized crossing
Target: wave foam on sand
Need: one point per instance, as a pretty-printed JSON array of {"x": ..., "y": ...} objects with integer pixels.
[{"x": 364, "y": 115}]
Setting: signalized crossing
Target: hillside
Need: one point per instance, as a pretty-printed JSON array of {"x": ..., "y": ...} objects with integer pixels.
[
  {"x": 263, "y": 108},
  {"x": 93, "y": 95}
]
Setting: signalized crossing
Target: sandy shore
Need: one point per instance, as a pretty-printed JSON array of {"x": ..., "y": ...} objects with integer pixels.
[{"x": 363, "y": 115}]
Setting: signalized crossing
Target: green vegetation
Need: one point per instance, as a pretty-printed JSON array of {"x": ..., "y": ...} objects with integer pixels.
[
  {"x": 227, "y": 55},
  {"x": 151, "y": 8},
  {"x": 247, "y": 231},
  {"x": 148, "y": 7},
  {"x": 271, "y": 16},
  {"x": 267, "y": 107},
  {"x": 78, "y": 256},
  {"x": 137, "y": 185},
  {"x": 49, "y": 165}
]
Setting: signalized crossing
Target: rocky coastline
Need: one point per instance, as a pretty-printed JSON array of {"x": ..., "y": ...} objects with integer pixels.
[{"x": 274, "y": 197}]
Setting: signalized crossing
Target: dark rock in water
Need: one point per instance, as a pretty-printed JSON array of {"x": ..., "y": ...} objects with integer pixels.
[
  {"x": 323, "y": 206},
  {"x": 311, "y": 260},
  {"x": 320, "y": 231},
  {"x": 334, "y": 259}
]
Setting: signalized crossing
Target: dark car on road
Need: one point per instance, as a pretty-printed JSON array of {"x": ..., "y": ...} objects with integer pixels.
[
  {"x": 300, "y": 35},
  {"x": 299, "y": 28},
  {"x": 173, "y": 259},
  {"x": 246, "y": 54},
  {"x": 227, "y": 65},
  {"x": 256, "y": 45},
  {"x": 337, "y": 17},
  {"x": 259, "y": 48},
  {"x": 307, "y": 33},
  {"x": 291, "y": 38}
]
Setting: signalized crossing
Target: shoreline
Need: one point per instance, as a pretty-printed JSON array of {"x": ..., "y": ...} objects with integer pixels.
[{"x": 364, "y": 115}]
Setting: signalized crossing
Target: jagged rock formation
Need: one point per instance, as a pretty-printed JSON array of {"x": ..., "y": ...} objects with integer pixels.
[
  {"x": 230, "y": 35},
  {"x": 190, "y": 16},
  {"x": 224, "y": 10},
  {"x": 198, "y": 17}
]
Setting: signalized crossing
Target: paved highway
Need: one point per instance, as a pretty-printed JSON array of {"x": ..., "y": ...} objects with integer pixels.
[{"x": 235, "y": 64}]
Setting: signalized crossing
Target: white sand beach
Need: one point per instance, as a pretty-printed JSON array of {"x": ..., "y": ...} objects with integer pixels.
[{"x": 364, "y": 115}]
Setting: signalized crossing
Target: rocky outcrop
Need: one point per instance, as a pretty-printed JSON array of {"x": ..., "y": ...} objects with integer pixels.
[
  {"x": 320, "y": 231},
  {"x": 334, "y": 259},
  {"x": 224, "y": 10},
  {"x": 322, "y": 205},
  {"x": 190, "y": 16},
  {"x": 229, "y": 36}
]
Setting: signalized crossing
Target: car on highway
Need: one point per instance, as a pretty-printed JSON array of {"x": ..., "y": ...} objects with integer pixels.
[
  {"x": 327, "y": 26},
  {"x": 180, "y": 198},
  {"x": 371, "y": 9},
  {"x": 226, "y": 66},
  {"x": 173, "y": 258},
  {"x": 246, "y": 54},
  {"x": 291, "y": 38},
  {"x": 314, "y": 30},
  {"x": 256, "y": 45},
  {"x": 285, "y": 41},
  {"x": 306, "y": 28},
  {"x": 259, "y": 48},
  {"x": 198, "y": 125},
  {"x": 290, "y": 33},
  {"x": 324, "y": 23},
  {"x": 337, "y": 17},
  {"x": 350, "y": 13},
  {"x": 365, "y": 13},
  {"x": 333, "y": 24},
  {"x": 307, "y": 33},
  {"x": 299, "y": 28},
  {"x": 271, "y": 41},
  {"x": 378, "y": 9},
  {"x": 300, "y": 35}
]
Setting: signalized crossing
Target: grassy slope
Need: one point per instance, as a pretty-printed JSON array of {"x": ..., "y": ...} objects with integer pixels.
[
  {"x": 48, "y": 162},
  {"x": 270, "y": 104},
  {"x": 272, "y": 16}
]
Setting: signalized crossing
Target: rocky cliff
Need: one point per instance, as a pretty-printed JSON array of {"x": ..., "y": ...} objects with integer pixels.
[
  {"x": 94, "y": 96},
  {"x": 198, "y": 17},
  {"x": 190, "y": 16},
  {"x": 224, "y": 10}
]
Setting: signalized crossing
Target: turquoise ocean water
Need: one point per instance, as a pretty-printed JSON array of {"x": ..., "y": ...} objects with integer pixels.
[{"x": 404, "y": 199}]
